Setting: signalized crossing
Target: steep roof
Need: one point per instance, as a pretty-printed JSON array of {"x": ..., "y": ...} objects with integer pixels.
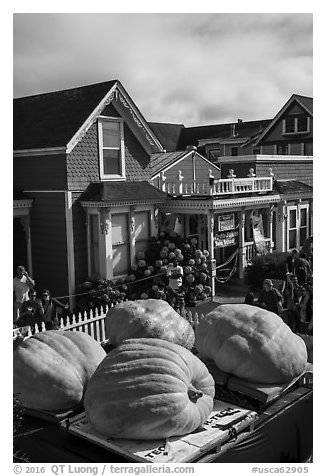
[
  {"x": 59, "y": 118},
  {"x": 52, "y": 119},
  {"x": 167, "y": 134},
  {"x": 245, "y": 130},
  {"x": 304, "y": 101},
  {"x": 123, "y": 191}
]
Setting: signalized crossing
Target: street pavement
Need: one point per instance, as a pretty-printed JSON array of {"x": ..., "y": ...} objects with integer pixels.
[{"x": 229, "y": 293}]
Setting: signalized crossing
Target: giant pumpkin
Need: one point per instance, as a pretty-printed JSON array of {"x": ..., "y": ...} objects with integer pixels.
[
  {"x": 147, "y": 318},
  {"x": 51, "y": 369},
  {"x": 148, "y": 389},
  {"x": 251, "y": 343}
]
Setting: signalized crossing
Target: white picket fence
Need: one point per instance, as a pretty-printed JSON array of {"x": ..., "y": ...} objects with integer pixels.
[{"x": 93, "y": 324}]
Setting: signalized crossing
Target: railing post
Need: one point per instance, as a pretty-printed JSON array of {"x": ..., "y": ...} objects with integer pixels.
[
  {"x": 180, "y": 178},
  {"x": 163, "y": 184},
  {"x": 242, "y": 250}
]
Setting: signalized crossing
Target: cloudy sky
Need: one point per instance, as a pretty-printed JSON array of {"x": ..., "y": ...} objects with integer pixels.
[{"x": 185, "y": 68}]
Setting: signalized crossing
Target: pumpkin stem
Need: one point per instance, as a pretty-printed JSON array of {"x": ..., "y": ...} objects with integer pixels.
[{"x": 194, "y": 395}]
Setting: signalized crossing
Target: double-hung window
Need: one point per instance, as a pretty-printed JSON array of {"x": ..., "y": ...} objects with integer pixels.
[
  {"x": 111, "y": 148},
  {"x": 298, "y": 225}
]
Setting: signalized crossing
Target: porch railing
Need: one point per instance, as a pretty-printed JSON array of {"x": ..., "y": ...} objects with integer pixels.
[
  {"x": 218, "y": 187},
  {"x": 93, "y": 324},
  {"x": 249, "y": 249}
]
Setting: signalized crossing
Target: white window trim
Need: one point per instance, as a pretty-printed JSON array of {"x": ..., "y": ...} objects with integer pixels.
[
  {"x": 115, "y": 177},
  {"x": 298, "y": 209},
  {"x": 295, "y": 127}
]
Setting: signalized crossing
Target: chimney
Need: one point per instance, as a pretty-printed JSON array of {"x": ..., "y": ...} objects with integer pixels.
[{"x": 239, "y": 121}]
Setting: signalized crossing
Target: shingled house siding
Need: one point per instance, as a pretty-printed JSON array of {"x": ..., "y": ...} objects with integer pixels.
[
  {"x": 83, "y": 162},
  {"x": 49, "y": 243},
  {"x": 46, "y": 172},
  {"x": 303, "y": 171},
  {"x": 136, "y": 158}
]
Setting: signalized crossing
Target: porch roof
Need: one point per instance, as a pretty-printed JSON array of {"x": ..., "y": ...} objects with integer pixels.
[
  {"x": 123, "y": 192},
  {"x": 291, "y": 186}
]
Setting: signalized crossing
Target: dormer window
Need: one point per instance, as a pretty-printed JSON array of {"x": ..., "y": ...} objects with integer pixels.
[
  {"x": 296, "y": 125},
  {"x": 111, "y": 148}
]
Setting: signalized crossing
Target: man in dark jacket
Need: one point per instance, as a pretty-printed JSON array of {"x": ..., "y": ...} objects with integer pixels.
[{"x": 270, "y": 298}]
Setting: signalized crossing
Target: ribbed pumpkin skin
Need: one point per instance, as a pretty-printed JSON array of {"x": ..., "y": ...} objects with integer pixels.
[
  {"x": 51, "y": 369},
  {"x": 251, "y": 343},
  {"x": 147, "y": 318},
  {"x": 140, "y": 391}
]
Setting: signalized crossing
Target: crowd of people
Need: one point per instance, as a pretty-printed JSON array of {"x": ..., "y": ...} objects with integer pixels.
[
  {"x": 294, "y": 301},
  {"x": 30, "y": 310}
]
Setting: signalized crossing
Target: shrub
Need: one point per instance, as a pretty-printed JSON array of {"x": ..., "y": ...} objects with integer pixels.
[{"x": 271, "y": 265}]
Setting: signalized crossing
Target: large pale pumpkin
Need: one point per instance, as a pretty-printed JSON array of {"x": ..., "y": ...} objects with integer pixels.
[
  {"x": 147, "y": 318},
  {"x": 51, "y": 369},
  {"x": 149, "y": 389},
  {"x": 251, "y": 343}
]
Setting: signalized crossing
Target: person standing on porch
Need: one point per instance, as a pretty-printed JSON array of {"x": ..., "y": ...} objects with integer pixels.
[{"x": 22, "y": 284}]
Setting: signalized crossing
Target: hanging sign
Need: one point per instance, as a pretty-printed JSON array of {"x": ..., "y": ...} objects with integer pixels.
[
  {"x": 227, "y": 238},
  {"x": 258, "y": 231},
  {"x": 259, "y": 240},
  {"x": 225, "y": 222}
]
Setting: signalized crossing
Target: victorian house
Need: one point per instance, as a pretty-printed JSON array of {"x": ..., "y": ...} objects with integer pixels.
[{"x": 94, "y": 181}]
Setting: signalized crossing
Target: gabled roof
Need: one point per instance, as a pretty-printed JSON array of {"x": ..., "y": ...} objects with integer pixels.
[
  {"x": 245, "y": 130},
  {"x": 168, "y": 134},
  {"x": 291, "y": 186},
  {"x": 165, "y": 160},
  {"x": 304, "y": 101},
  {"x": 159, "y": 162},
  {"x": 122, "y": 192},
  {"x": 59, "y": 118}
]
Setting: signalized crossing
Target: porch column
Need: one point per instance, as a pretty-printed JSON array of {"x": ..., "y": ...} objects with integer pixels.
[
  {"x": 132, "y": 229},
  {"x": 281, "y": 239},
  {"x": 242, "y": 250},
  {"x": 70, "y": 248},
  {"x": 210, "y": 235},
  {"x": 105, "y": 243},
  {"x": 26, "y": 224},
  {"x": 270, "y": 227}
]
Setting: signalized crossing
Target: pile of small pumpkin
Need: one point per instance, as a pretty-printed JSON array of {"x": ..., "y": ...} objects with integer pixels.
[
  {"x": 151, "y": 385},
  {"x": 151, "y": 267}
]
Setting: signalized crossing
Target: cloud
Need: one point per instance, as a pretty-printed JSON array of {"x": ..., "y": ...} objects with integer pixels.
[{"x": 185, "y": 68}]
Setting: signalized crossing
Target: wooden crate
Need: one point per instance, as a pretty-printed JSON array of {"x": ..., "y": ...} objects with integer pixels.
[{"x": 224, "y": 424}]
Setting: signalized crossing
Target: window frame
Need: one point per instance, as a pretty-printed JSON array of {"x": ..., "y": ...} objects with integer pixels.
[
  {"x": 298, "y": 227},
  {"x": 103, "y": 176},
  {"x": 120, "y": 244},
  {"x": 295, "y": 131}
]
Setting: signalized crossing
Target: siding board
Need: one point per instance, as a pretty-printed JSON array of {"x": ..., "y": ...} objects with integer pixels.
[{"x": 49, "y": 246}]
